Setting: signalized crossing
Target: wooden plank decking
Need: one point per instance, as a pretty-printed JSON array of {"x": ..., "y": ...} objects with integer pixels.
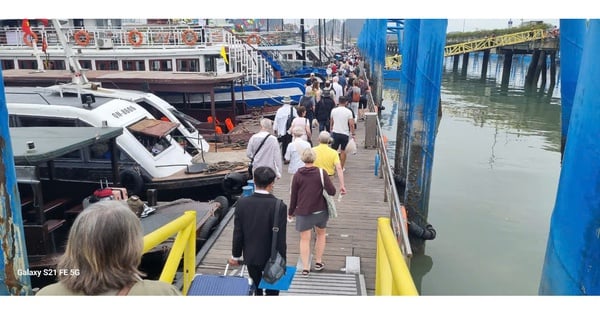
[{"x": 352, "y": 233}]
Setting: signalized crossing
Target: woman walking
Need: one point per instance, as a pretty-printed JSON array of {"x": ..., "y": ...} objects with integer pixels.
[{"x": 310, "y": 212}]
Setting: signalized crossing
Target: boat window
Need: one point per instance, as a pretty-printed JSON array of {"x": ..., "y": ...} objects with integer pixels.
[
  {"x": 161, "y": 65},
  {"x": 27, "y": 64},
  {"x": 190, "y": 65},
  {"x": 85, "y": 64},
  {"x": 133, "y": 65},
  {"x": 210, "y": 63},
  {"x": 100, "y": 151},
  {"x": 107, "y": 65},
  {"x": 153, "y": 134},
  {"x": 8, "y": 64},
  {"x": 38, "y": 121}
]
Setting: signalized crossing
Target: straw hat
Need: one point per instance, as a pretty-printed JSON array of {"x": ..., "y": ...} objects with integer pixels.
[{"x": 286, "y": 100}]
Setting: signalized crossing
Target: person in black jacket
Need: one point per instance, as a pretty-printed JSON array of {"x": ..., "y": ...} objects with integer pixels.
[
  {"x": 253, "y": 228},
  {"x": 324, "y": 107}
]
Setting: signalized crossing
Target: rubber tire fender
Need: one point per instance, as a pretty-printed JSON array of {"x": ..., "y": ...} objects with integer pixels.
[{"x": 133, "y": 181}]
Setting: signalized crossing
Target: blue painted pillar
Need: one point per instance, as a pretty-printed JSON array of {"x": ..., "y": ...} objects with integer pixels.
[
  {"x": 13, "y": 255},
  {"x": 423, "y": 119},
  {"x": 572, "y": 263},
  {"x": 572, "y": 32},
  {"x": 407, "y": 83}
]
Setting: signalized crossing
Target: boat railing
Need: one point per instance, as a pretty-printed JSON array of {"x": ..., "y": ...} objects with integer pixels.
[
  {"x": 184, "y": 244},
  {"x": 126, "y": 37},
  {"x": 398, "y": 220}
]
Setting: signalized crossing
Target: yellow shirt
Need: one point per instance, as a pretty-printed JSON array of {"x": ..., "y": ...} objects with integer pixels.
[{"x": 327, "y": 158}]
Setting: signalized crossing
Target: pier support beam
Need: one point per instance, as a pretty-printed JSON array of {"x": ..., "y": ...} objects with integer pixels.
[
  {"x": 486, "y": 61},
  {"x": 465, "y": 65},
  {"x": 456, "y": 61},
  {"x": 572, "y": 34},
  {"x": 532, "y": 71},
  {"x": 423, "y": 121},
  {"x": 572, "y": 262},
  {"x": 507, "y": 65}
]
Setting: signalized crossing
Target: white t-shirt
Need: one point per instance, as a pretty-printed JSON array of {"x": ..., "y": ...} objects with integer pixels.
[
  {"x": 293, "y": 155},
  {"x": 341, "y": 116}
]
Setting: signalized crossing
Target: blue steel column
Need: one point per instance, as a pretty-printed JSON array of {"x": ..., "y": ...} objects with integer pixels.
[
  {"x": 423, "y": 121},
  {"x": 13, "y": 255},
  {"x": 572, "y": 33},
  {"x": 572, "y": 263},
  {"x": 407, "y": 83}
]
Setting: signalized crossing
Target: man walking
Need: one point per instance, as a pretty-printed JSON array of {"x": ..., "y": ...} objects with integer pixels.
[
  {"x": 264, "y": 154},
  {"x": 283, "y": 121},
  {"x": 342, "y": 128},
  {"x": 253, "y": 228}
]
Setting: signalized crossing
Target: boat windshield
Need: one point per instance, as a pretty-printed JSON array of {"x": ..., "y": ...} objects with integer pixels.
[{"x": 185, "y": 119}]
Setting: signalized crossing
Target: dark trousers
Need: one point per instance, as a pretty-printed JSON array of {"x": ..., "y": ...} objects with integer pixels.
[
  {"x": 255, "y": 273},
  {"x": 284, "y": 140},
  {"x": 324, "y": 125}
]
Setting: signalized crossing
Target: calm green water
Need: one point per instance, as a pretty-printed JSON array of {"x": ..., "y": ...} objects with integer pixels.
[{"x": 495, "y": 174}]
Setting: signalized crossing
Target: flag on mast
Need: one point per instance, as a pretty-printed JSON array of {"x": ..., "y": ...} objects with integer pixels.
[
  {"x": 26, "y": 27},
  {"x": 224, "y": 54}
]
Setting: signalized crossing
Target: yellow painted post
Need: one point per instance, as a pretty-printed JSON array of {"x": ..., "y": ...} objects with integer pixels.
[
  {"x": 185, "y": 243},
  {"x": 189, "y": 259},
  {"x": 170, "y": 267},
  {"x": 399, "y": 276},
  {"x": 383, "y": 274}
]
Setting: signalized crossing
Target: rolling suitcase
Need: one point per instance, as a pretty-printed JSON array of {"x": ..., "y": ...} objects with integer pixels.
[{"x": 216, "y": 285}]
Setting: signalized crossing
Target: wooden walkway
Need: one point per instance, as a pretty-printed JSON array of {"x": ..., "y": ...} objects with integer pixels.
[{"x": 352, "y": 233}]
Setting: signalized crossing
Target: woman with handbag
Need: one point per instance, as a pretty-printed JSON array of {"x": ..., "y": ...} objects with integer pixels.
[{"x": 310, "y": 211}]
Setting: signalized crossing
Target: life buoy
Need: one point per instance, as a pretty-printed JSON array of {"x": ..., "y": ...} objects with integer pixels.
[
  {"x": 135, "y": 37},
  {"x": 162, "y": 37},
  {"x": 29, "y": 42},
  {"x": 189, "y": 37},
  {"x": 133, "y": 181},
  {"x": 82, "y": 38},
  {"x": 253, "y": 39}
]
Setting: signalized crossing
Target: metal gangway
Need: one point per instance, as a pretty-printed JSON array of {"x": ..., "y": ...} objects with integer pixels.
[{"x": 495, "y": 41}]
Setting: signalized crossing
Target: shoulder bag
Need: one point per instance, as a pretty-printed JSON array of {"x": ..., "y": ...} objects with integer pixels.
[
  {"x": 253, "y": 155},
  {"x": 275, "y": 267},
  {"x": 328, "y": 198}
]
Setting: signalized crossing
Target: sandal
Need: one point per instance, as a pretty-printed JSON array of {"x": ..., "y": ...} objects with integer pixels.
[
  {"x": 319, "y": 266},
  {"x": 305, "y": 272}
]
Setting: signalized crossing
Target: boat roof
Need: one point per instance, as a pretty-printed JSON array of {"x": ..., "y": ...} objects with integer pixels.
[
  {"x": 134, "y": 80},
  {"x": 53, "y": 142}
]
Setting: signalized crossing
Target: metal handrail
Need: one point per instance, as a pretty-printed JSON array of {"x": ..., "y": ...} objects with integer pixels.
[
  {"x": 185, "y": 243},
  {"x": 397, "y": 213}
]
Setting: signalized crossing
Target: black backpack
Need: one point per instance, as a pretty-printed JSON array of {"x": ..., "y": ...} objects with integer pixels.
[
  {"x": 327, "y": 93},
  {"x": 288, "y": 123}
]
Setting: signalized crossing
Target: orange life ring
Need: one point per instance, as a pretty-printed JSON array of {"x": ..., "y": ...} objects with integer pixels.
[
  {"x": 189, "y": 37},
  {"x": 28, "y": 41},
  {"x": 82, "y": 38},
  {"x": 253, "y": 39},
  {"x": 162, "y": 37},
  {"x": 135, "y": 37}
]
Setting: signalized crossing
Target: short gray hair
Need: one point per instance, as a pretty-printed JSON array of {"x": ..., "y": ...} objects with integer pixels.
[
  {"x": 324, "y": 137},
  {"x": 266, "y": 123},
  {"x": 308, "y": 155},
  {"x": 105, "y": 246}
]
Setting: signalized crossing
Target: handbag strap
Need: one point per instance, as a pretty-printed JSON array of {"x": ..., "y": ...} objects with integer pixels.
[
  {"x": 260, "y": 146},
  {"x": 275, "y": 229},
  {"x": 322, "y": 182}
]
